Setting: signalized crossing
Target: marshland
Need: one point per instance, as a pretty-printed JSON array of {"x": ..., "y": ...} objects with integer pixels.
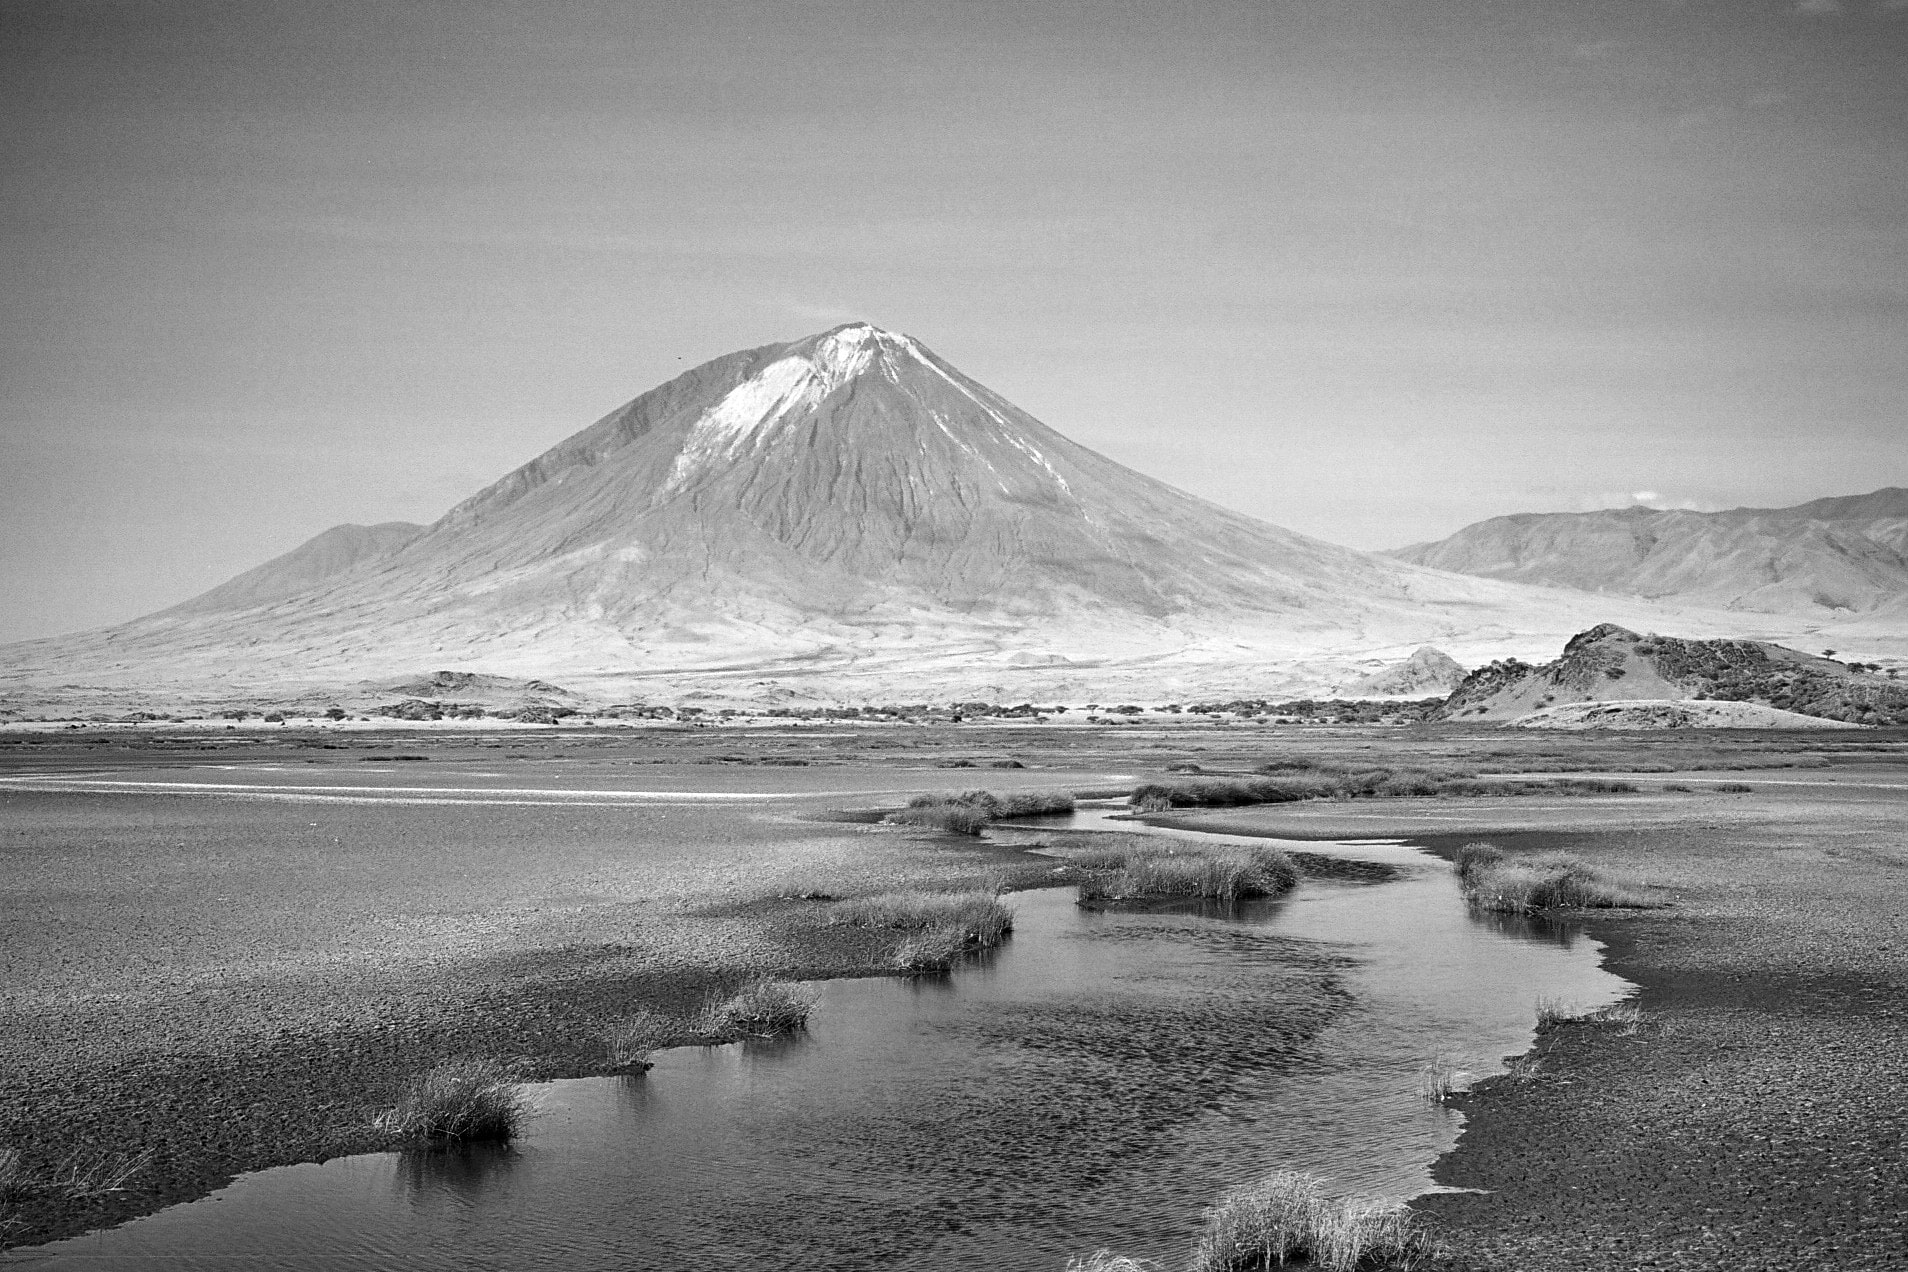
[{"x": 677, "y": 961}]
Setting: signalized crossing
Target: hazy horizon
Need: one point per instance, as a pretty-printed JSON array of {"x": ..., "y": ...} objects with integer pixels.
[{"x": 1368, "y": 272}]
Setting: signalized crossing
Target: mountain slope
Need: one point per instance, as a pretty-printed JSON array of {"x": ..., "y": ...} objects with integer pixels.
[
  {"x": 845, "y": 517},
  {"x": 313, "y": 562},
  {"x": 1828, "y": 559}
]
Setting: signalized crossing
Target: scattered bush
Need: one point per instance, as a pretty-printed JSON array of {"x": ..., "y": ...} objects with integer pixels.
[
  {"x": 1682, "y": 787},
  {"x": 1733, "y": 788},
  {"x": 764, "y": 1008},
  {"x": 1286, "y": 1217},
  {"x": 1544, "y": 881},
  {"x": 1226, "y": 875},
  {"x": 459, "y": 1101}
]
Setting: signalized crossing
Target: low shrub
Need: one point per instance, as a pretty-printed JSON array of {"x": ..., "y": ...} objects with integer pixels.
[
  {"x": 459, "y": 1101},
  {"x": 764, "y": 1008},
  {"x": 1733, "y": 788},
  {"x": 1286, "y": 1218},
  {"x": 1153, "y": 873}
]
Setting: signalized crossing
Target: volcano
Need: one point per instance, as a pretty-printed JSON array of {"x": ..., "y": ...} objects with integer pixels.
[{"x": 845, "y": 517}]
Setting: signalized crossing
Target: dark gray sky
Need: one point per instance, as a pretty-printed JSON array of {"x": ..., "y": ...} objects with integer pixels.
[{"x": 1368, "y": 269}]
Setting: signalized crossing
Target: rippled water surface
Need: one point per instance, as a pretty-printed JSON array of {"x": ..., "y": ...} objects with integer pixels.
[{"x": 1094, "y": 1083}]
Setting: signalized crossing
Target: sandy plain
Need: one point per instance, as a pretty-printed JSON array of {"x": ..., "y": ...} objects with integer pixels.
[{"x": 237, "y": 980}]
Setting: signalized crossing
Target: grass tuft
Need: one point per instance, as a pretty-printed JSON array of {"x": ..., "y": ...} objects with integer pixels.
[
  {"x": 1493, "y": 880},
  {"x": 970, "y": 812},
  {"x": 459, "y": 1101},
  {"x": 1286, "y": 1217},
  {"x": 764, "y": 1008},
  {"x": 83, "y": 1174},
  {"x": 1107, "y": 1261},
  {"x": 632, "y": 1041},
  {"x": 1147, "y": 873},
  {"x": 1443, "y": 1078},
  {"x": 940, "y": 928}
]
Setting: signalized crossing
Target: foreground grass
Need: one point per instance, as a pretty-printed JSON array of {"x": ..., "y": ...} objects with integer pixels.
[
  {"x": 937, "y": 929},
  {"x": 1150, "y": 871},
  {"x": 970, "y": 812},
  {"x": 1286, "y": 1218},
  {"x": 1494, "y": 880},
  {"x": 459, "y": 1102}
]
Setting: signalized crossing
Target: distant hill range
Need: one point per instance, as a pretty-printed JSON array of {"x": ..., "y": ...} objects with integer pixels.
[
  {"x": 845, "y": 518},
  {"x": 1825, "y": 560},
  {"x": 1611, "y": 664}
]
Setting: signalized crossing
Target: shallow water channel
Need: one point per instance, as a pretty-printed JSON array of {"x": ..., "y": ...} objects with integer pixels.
[{"x": 1095, "y": 1082}]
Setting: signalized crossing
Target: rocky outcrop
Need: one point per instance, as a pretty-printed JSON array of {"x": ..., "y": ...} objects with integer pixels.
[{"x": 1609, "y": 663}]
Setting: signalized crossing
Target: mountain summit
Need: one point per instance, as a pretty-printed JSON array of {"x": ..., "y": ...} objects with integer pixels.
[{"x": 847, "y": 516}]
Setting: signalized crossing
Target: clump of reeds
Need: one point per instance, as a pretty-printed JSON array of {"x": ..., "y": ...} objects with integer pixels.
[
  {"x": 1552, "y": 1010},
  {"x": 631, "y": 1041},
  {"x": 1225, "y": 875},
  {"x": 940, "y": 927},
  {"x": 1286, "y": 781},
  {"x": 1286, "y": 1217},
  {"x": 82, "y": 1174},
  {"x": 970, "y": 812},
  {"x": 763, "y": 1008},
  {"x": 1443, "y": 1078},
  {"x": 458, "y": 1102},
  {"x": 1494, "y": 880},
  {"x": 1107, "y": 1261}
]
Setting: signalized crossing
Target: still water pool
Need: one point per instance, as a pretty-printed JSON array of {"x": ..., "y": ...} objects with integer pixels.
[{"x": 1095, "y": 1082}]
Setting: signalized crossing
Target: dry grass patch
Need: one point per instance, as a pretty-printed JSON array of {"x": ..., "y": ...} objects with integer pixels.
[
  {"x": 632, "y": 1041},
  {"x": 1152, "y": 873},
  {"x": 762, "y": 1009},
  {"x": 1444, "y": 1077},
  {"x": 940, "y": 928},
  {"x": 1286, "y": 1217},
  {"x": 458, "y": 1102},
  {"x": 1494, "y": 880}
]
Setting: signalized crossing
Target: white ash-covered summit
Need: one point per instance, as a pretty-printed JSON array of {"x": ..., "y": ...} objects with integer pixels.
[{"x": 847, "y": 517}]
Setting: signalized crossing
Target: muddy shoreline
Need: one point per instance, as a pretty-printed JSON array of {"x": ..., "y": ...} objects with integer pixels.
[{"x": 1755, "y": 1120}]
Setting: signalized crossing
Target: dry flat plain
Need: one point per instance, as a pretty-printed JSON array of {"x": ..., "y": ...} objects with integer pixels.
[{"x": 230, "y": 948}]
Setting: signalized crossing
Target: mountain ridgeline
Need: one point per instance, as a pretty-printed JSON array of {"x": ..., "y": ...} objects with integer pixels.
[
  {"x": 844, "y": 518},
  {"x": 1828, "y": 558}
]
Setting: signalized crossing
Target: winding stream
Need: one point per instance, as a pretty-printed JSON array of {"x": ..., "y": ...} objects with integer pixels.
[{"x": 1095, "y": 1082}]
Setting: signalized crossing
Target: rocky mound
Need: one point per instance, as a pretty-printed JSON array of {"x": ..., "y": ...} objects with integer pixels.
[
  {"x": 1647, "y": 714},
  {"x": 1429, "y": 670},
  {"x": 1613, "y": 664}
]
